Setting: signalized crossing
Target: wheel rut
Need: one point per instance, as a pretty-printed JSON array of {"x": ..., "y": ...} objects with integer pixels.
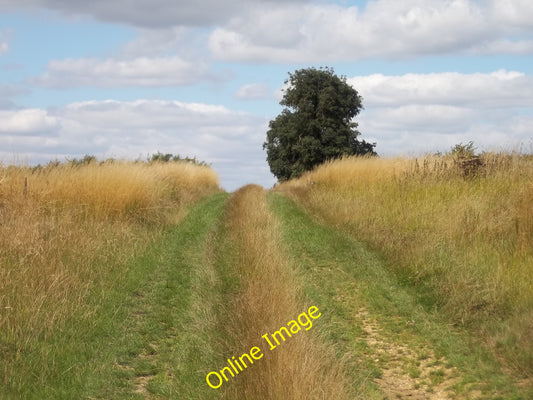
[{"x": 374, "y": 322}]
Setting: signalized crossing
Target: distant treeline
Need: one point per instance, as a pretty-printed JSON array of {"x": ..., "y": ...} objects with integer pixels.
[{"x": 153, "y": 158}]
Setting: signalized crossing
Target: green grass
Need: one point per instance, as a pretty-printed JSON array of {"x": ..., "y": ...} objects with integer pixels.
[
  {"x": 160, "y": 323},
  {"x": 344, "y": 277},
  {"x": 462, "y": 241},
  {"x": 147, "y": 332},
  {"x": 176, "y": 336}
]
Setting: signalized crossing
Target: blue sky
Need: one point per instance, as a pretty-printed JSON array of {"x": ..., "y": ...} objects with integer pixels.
[{"x": 131, "y": 77}]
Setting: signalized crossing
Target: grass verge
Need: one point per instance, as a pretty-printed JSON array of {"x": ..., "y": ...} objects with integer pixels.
[
  {"x": 265, "y": 295},
  {"x": 171, "y": 325},
  {"x": 68, "y": 236},
  {"x": 151, "y": 328},
  {"x": 463, "y": 240},
  {"x": 393, "y": 339}
]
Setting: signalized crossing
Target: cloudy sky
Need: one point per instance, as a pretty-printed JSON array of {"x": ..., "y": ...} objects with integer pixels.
[{"x": 127, "y": 78}]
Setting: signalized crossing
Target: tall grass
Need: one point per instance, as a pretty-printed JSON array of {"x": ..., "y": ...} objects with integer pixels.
[
  {"x": 269, "y": 296},
  {"x": 65, "y": 232},
  {"x": 140, "y": 191},
  {"x": 464, "y": 240}
]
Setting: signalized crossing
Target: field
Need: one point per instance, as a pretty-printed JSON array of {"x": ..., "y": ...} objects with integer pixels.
[
  {"x": 464, "y": 242},
  {"x": 367, "y": 278},
  {"x": 66, "y": 234}
]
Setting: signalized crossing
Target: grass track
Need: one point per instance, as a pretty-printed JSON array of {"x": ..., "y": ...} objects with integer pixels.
[
  {"x": 146, "y": 338},
  {"x": 182, "y": 309},
  {"x": 170, "y": 324},
  {"x": 266, "y": 297},
  {"x": 398, "y": 348}
]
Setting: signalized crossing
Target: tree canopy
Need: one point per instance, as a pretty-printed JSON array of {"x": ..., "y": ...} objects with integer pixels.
[{"x": 315, "y": 125}]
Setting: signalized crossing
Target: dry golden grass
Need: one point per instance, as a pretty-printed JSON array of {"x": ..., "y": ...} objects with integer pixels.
[
  {"x": 115, "y": 189},
  {"x": 469, "y": 240},
  {"x": 66, "y": 230},
  {"x": 269, "y": 297}
]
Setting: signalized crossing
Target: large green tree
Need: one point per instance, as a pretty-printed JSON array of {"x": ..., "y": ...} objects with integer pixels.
[{"x": 316, "y": 124}]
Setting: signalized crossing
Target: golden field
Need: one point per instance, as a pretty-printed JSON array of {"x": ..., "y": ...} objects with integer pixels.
[
  {"x": 270, "y": 296},
  {"x": 463, "y": 239},
  {"x": 66, "y": 228}
]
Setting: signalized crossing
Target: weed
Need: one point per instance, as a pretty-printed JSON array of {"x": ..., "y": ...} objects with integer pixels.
[
  {"x": 67, "y": 232},
  {"x": 464, "y": 244}
]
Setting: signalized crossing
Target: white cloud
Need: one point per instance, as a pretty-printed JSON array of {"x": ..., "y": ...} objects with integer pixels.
[
  {"x": 429, "y": 112},
  {"x": 504, "y": 46},
  {"x": 444, "y": 118},
  {"x": 143, "y": 115},
  {"x": 228, "y": 139},
  {"x": 27, "y": 122},
  {"x": 254, "y": 91},
  {"x": 497, "y": 89},
  {"x": 5, "y": 36},
  {"x": 311, "y": 31},
  {"x": 516, "y": 13},
  {"x": 150, "y": 13},
  {"x": 385, "y": 28},
  {"x": 11, "y": 90},
  {"x": 181, "y": 40},
  {"x": 141, "y": 71}
]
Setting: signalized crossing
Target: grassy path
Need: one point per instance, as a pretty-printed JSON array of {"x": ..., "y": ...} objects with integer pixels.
[
  {"x": 269, "y": 312},
  {"x": 398, "y": 349},
  {"x": 253, "y": 271},
  {"x": 150, "y": 330},
  {"x": 242, "y": 267},
  {"x": 168, "y": 333}
]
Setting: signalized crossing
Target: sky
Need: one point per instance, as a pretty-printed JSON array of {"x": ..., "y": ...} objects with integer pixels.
[{"x": 203, "y": 78}]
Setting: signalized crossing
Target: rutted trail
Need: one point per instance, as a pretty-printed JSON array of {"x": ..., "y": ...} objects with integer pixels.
[
  {"x": 281, "y": 267},
  {"x": 181, "y": 291},
  {"x": 246, "y": 268},
  {"x": 396, "y": 348},
  {"x": 270, "y": 295},
  {"x": 332, "y": 271},
  {"x": 172, "y": 314}
]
